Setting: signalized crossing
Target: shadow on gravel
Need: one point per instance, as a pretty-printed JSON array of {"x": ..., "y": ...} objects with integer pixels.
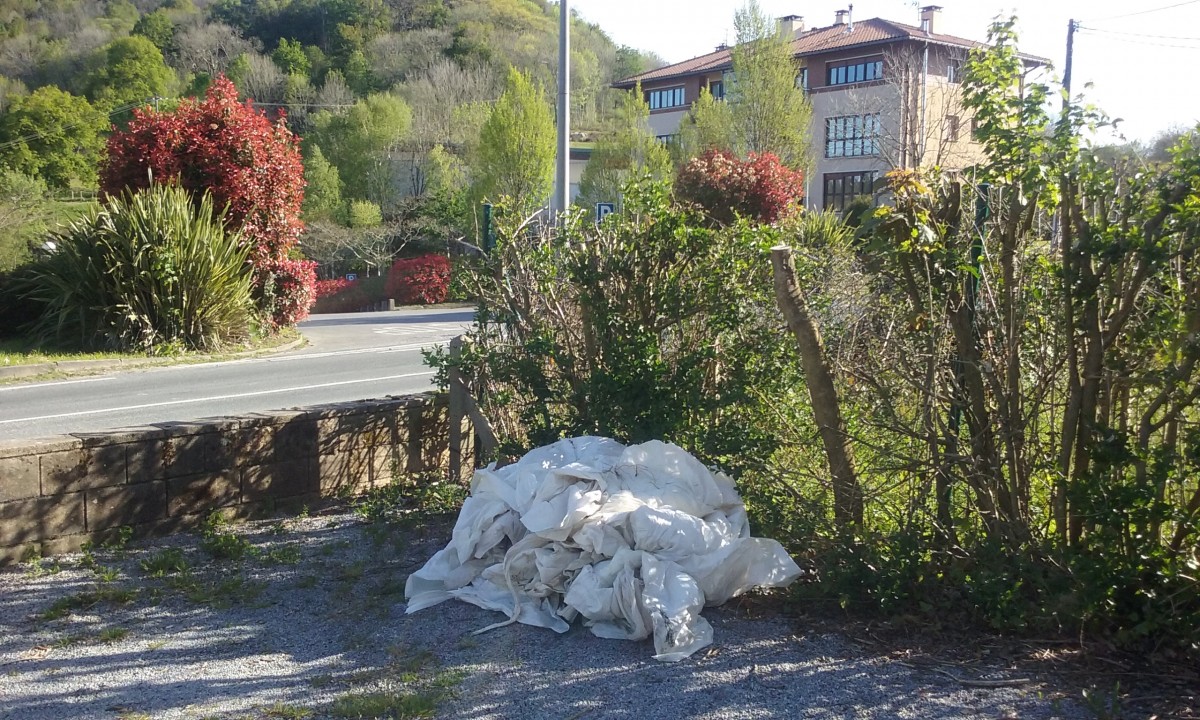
[{"x": 311, "y": 614}]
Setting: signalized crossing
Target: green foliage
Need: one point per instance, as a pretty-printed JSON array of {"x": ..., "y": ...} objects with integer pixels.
[
  {"x": 708, "y": 126},
  {"x": 362, "y": 214},
  {"x": 149, "y": 271},
  {"x": 764, "y": 111},
  {"x": 359, "y": 142},
  {"x": 630, "y": 150},
  {"x": 158, "y": 28},
  {"x": 651, "y": 326},
  {"x": 167, "y": 561},
  {"x": 133, "y": 72},
  {"x": 323, "y": 191},
  {"x": 515, "y": 157},
  {"x": 24, "y": 213},
  {"x": 221, "y": 543},
  {"x": 291, "y": 59},
  {"x": 54, "y": 136}
]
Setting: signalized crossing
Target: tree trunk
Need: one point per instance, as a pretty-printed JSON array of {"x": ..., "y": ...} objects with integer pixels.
[{"x": 847, "y": 495}]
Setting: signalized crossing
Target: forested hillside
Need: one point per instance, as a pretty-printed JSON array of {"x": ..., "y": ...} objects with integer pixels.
[{"x": 377, "y": 89}]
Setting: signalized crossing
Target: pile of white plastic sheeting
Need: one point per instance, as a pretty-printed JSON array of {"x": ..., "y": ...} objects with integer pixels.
[{"x": 636, "y": 540}]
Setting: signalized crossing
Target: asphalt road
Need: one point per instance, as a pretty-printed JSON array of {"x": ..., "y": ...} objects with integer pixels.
[{"x": 349, "y": 356}]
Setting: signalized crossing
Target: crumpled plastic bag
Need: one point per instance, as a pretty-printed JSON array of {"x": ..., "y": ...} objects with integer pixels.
[{"x": 635, "y": 540}]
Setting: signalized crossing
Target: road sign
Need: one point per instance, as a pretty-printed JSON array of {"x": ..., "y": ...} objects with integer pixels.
[
  {"x": 603, "y": 210},
  {"x": 351, "y": 276}
]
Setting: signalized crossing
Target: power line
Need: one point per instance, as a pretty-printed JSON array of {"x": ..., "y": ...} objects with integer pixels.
[
  {"x": 34, "y": 136},
  {"x": 1147, "y": 12},
  {"x": 1140, "y": 35},
  {"x": 1149, "y": 42}
]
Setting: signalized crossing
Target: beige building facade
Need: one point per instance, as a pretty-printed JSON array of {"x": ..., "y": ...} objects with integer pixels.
[{"x": 884, "y": 95}]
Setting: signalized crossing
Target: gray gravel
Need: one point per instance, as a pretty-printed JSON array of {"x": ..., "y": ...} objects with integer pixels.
[{"x": 322, "y": 620}]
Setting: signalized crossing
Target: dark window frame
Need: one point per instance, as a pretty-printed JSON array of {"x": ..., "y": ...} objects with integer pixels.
[
  {"x": 849, "y": 72},
  {"x": 658, "y": 98},
  {"x": 840, "y": 189},
  {"x": 852, "y": 135}
]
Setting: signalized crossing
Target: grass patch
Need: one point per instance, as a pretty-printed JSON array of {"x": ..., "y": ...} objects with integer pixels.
[
  {"x": 112, "y": 635},
  {"x": 396, "y": 706},
  {"x": 235, "y": 590},
  {"x": 428, "y": 492},
  {"x": 84, "y": 600},
  {"x": 168, "y": 561},
  {"x": 283, "y": 555},
  {"x": 291, "y": 712},
  {"x": 219, "y": 542}
]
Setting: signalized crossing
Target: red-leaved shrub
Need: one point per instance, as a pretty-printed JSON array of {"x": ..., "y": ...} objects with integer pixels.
[
  {"x": 420, "y": 280},
  {"x": 326, "y": 288},
  {"x": 759, "y": 188},
  {"x": 246, "y": 162}
]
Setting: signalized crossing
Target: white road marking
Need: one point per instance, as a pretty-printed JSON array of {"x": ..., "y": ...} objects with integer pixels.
[
  {"x": 213, "y": 397},
  {"x": 10, "y": 388}
]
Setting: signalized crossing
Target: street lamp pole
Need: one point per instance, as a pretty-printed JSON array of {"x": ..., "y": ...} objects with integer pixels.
[{"x": 562, "y": 186}]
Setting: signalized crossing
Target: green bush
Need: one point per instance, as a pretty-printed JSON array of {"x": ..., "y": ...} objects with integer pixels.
[{"x": 148, "y": 271}]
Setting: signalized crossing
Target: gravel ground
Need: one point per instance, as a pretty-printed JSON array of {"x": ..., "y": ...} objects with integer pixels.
[{"x": 310, "y": 623}]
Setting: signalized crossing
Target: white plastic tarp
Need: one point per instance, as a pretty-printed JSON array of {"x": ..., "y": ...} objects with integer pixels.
[{"x": 637, "y": 540}]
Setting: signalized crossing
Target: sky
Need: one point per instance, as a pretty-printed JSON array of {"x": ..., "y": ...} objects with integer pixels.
[{"x": 1136, "y": 55}]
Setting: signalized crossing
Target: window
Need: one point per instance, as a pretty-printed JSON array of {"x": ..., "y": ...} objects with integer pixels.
[
  {"x": 802, "y": 79},
  {"x": 954, "y": 71},
  {"x": 852, "y": 136},
  {"x": 952, "y": 127},
  {"x": 842, "y": 188},
  {"x": 855, "y": 71},
  {"x": 717, "y": 88},
  {"x": 665, "y": 98},
  {"x": 665, "y": 139}
]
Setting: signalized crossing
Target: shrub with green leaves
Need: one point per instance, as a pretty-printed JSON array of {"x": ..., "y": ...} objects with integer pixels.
[{"x": 149, "y": 271}]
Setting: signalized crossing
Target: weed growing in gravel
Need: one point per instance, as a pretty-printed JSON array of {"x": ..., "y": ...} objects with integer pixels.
[
  {"x": 113, "y": 634},
  {"x": 386, "y": 705},
  {"x": 81, "y": 601},
  {"x": 167, "y": 561},
  {"x": 291, "y": 712},
  {"x": 235, "y": 590},
  {"x": 283, "y": 555},
  {"x": 219, "y": 542},
  {"x": 428, "y": 492},
  {"x": 35, "y": 565}
]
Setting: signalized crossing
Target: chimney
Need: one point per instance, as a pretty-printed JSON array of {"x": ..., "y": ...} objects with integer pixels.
[
  {"x": 791, "y": 26},
  {"x": 850, "y": 17},
  {"x": 929, "y": 16},
  {"x": 840, "y": 17}
]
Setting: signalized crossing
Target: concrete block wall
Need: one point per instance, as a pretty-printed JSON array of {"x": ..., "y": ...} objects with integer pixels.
[{"x": 56, "y": 493}]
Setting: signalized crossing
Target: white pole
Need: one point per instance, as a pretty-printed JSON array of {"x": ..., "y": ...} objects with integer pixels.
[{"x": 563, "y": 181}]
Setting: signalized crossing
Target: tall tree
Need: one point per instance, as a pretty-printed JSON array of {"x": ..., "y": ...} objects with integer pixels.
[
  {"x": 515, "y": 156},
  {"x": 361, "y": 141},
  {"x": 628, "y": 150},
  {"x": 133, "y": 72},
  {"x": 767, "y": 111},
  {"x": 53, "y": 135}
]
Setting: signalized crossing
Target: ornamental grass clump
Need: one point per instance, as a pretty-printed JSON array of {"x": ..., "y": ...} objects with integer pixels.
[{"x": 149, "y": 271}]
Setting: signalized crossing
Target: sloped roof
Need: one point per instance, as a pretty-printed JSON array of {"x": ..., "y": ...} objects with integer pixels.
[{"x": 817, "y": 40}]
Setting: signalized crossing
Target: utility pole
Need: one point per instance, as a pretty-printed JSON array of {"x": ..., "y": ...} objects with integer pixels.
[
  {"x": 1072, "y": 26},
  {"x": 562, "y": 187}
]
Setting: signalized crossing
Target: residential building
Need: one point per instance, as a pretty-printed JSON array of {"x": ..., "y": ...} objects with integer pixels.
[{"x": 884, "y": 95}]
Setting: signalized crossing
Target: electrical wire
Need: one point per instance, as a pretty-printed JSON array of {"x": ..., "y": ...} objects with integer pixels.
[
  {"x": 34, "y": 136},
  {"x": 1140, "y": 35},
  {"x": 1149, "y": 42},
  {"x": 1145, "y": 12}
]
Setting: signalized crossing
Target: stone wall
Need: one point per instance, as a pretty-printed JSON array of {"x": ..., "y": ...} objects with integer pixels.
[{"x": 56, "y": 493}]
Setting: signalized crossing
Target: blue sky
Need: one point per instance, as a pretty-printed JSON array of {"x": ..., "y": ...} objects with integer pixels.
[{"x": 1138, "y": 56}]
